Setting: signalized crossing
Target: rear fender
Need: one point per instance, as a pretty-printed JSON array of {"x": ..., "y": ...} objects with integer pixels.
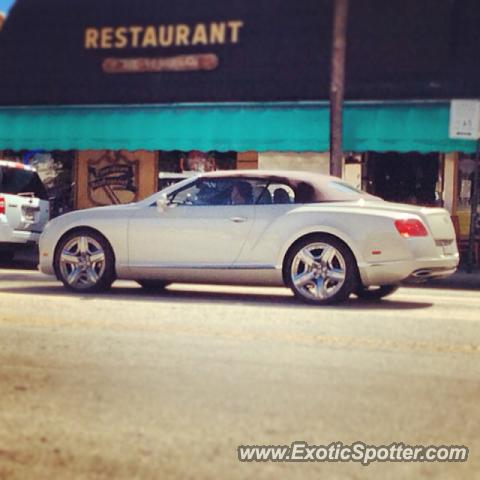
[{"x": 319, "y": 230}]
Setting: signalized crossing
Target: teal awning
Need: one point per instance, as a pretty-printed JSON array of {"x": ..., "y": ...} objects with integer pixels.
[{"x": 296, "y": 126}]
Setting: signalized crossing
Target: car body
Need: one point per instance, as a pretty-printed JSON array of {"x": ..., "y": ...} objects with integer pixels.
[
  {"x": 313, "y": 233},
  {"x": 24, "y": 206}
]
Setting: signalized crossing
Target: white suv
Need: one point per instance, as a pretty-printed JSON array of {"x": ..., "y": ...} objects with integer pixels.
[{"x": 24, "y": 207}]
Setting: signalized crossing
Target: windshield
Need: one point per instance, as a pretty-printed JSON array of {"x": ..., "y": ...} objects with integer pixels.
[
  {"x": 345, "y": 188},
  {"x": 167, "y": 190},
  {"x": 17, "y": 180}
]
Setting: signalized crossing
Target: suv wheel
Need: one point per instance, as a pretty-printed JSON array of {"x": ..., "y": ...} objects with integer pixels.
[{"x": 6, "y": 256}]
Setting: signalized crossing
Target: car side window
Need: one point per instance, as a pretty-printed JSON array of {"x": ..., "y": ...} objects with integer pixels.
[{"x": 219, "y": 191}]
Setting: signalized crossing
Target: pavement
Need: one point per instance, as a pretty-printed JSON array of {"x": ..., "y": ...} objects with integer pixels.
[{"x": 132, "y": 384}]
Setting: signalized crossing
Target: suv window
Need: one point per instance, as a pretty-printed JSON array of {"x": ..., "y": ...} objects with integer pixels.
[{"x": 17, "y": 181}]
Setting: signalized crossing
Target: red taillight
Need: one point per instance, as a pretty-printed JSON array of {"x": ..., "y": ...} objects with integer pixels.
[
  {"x": 411, "y": 227},
  {"x": 2, "y": 204}
]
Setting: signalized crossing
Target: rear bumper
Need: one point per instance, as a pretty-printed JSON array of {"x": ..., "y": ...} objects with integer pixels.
[
  {"x": 7, "y": 235},
  {"x": 418, "y": 270}
]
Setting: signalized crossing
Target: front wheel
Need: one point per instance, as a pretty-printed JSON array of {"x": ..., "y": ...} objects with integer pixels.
[
  {"x": 375, "y": 293},
  {"x": 84, "y": 262},
  {"x": 321, "y": 270}
]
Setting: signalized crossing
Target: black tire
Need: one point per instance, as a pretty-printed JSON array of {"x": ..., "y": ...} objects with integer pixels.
[
  {"x": 323, "y": 288},
  {"x": 375, "y": 293},
  {"x": 153, "y": 285},
  {"x": 6, "y": 256},
  {"x": 96, "y": 245}
]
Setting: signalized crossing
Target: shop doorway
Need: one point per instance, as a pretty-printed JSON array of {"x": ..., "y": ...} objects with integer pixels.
[{"x": 413, "y": 178}]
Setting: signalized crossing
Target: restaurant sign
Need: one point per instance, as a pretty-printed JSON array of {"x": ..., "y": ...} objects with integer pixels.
[
  {"x": 120, "y": 51},
  {"x": 160, "y": 38},
  {"x": 145, "y": 51}
]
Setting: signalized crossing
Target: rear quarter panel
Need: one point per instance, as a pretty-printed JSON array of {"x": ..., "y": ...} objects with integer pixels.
[{"x": 364, "y": 230}]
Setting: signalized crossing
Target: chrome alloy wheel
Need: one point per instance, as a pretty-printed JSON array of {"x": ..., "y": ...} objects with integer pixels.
[
  {"x": 318, "y": 271},
  {"x": 82, "y": 262}
]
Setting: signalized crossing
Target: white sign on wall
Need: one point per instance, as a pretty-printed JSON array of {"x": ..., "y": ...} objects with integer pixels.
[{"x": 465, "y": 119}]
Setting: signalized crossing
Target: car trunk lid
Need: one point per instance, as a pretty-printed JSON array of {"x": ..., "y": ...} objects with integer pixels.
[{"x": 437, "y": 221}]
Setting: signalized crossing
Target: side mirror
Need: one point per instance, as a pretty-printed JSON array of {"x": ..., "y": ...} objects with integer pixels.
[{"x": 162, "y": 203}]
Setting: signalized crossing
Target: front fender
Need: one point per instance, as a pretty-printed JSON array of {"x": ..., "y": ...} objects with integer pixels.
[{"x": 113, "y": 228}]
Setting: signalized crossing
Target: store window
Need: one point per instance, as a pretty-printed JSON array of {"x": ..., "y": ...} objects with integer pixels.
[
  {"x": 413, "y": 177},
  {"x": 465, "y": 194}
]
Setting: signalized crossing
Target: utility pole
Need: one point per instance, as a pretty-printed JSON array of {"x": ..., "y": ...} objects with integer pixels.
[{"x": 337, "y": 84}]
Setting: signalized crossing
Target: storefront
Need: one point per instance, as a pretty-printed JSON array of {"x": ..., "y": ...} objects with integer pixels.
[
  {"x": 405, "y": 177},
  {"x": 111, "y": 93}
]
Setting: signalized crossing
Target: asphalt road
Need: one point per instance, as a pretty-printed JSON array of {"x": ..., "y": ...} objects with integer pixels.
[{"x": 132, "y": 385}]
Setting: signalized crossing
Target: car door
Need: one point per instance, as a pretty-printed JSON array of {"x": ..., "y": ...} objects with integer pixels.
[
  {"x": 273, "y": 204},
  {"x": 200, "y": 228}
]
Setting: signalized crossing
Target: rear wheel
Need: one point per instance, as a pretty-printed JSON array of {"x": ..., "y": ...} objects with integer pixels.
[
  {"x": 84, "y": 262},
  {"x": 375, "y": 293},
  {"x": 153, "y": 285},
  {"x": 321, "y": 270}
]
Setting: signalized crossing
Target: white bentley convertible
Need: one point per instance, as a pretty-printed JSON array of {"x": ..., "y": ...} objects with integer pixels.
[{"x": 314, "y": 233}]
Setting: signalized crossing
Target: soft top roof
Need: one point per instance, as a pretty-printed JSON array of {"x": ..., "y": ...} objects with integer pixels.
[
  {"x": 315, "y": 187},
  {"x": 289, "y": 174}
]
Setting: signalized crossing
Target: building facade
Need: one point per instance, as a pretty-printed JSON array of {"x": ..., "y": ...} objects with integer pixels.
[{"x": 102, "y": 96}]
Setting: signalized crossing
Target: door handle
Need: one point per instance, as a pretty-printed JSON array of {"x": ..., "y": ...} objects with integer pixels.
[{"x": 237, "y": 219}]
